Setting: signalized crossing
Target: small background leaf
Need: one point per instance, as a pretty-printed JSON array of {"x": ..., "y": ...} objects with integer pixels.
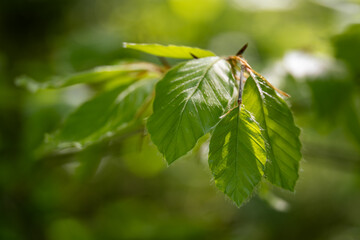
[
  {"x": 347, "y": 48},
  {"x": 170, "y": 51},
  {"x": 141, "y": 156},
  {"x": 352, "y": 119},
  {"x": 330, "y": 96}
]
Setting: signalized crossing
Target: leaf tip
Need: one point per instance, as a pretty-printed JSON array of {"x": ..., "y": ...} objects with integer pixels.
[{"x": 169, "y": 160}]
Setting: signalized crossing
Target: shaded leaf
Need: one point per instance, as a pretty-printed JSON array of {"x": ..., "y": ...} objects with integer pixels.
[
  {"x": 170, "y": 51},
  {"x": 352, "y": 119},
  {"x": 141, "y": 157},
  {"x": 104, "y": 115},
  {"x": 279, "y": 130},
  {"x": 347, "y": 48},
  {"x": 237, "y": 155},
  {"x": 330, "y": 96},
  {"x": 189, "y": 101},
  {"x": 98, "y": 74}
]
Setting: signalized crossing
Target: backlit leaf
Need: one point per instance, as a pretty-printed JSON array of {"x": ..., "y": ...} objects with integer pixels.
[
  {"x": 279, "y": 130},
  {"x": 237, "y": 155}
]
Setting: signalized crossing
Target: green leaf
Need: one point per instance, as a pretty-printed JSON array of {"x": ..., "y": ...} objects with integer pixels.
[
  {"x": 170, "y": 51},
  {"x": 352, "y": 118},
  {"x": 330, "y": 96},
  {"x": 124, "y": 72},
  {"x": 237, "y": 154},
  {"x": 188, "y": 103},
  {"x": 104, "y": 115},
  {"x": 347, "y": 48},
  {"x": 279, "y": 130}
]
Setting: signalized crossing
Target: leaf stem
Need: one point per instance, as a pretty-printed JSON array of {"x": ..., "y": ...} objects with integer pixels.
[{"x": 241, "y": 84}]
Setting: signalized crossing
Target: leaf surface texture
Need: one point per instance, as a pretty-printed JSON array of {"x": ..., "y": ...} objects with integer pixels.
[
  {"x": 237, "y": 155},
  {"x": 189, "y": 101},
  {"x": 279, "y": 130}
]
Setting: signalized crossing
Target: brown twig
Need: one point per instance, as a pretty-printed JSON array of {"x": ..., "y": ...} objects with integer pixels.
[
  {"x": 195, "y": 57},
  {"x": 242, "y": 50}
]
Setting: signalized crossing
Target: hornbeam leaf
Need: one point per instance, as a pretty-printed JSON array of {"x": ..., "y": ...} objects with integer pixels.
[
  {"x": 103, "y": 73},
  {"x": 188, "y": 103},
  {"x": 103, "y": 115},
  {"x": 279, "y": 130},
  {"x": 237, "y": 154},
  {"x": 170, "y": 51}
]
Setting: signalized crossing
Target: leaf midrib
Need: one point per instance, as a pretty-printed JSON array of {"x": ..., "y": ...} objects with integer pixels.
[
  {"x": 237, "y": 136},
  {"x": 266, "y": 128}
]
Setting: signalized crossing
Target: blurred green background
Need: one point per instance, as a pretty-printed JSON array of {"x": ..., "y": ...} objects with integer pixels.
[{"x": 111, "y": 190}]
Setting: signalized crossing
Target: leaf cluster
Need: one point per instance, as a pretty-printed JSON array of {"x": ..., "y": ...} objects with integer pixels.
[{"x": 253, "y": 134}]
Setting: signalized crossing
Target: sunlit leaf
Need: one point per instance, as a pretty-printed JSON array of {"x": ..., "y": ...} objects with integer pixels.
[
  {"x": 104, "y": 73},
  {"x": 104, "y": 115},
  {"x": 237, "y": 155},
  {"x": 170, "y": 51},
  {"x": 279, "y": 130},
  {"x": 189, "y": 101}
]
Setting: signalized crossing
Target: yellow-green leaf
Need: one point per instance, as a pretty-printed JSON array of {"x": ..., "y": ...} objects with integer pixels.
[
  {"x": 171, "y": 51},
  {"x": 282, "y": 136},
  {"x": 237, "y": 154}
]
